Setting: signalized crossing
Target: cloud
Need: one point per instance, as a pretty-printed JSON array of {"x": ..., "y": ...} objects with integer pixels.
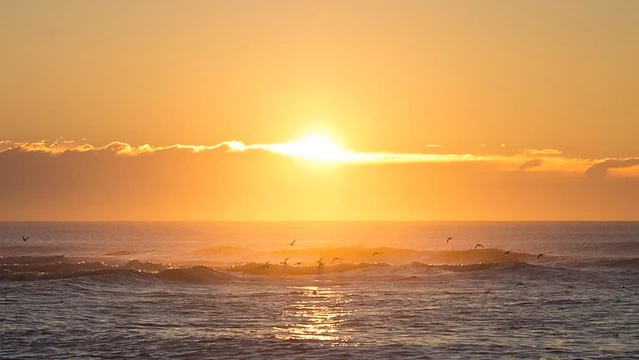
[
  {"x": 543, "y": 152},
  {"x": 531, "y": 164},
  {"x": 233, "y": 180},
  {"x": 117, "y": 147},
  {"x": 601, "y": 168},
  {"x": 323, "y": 150}
]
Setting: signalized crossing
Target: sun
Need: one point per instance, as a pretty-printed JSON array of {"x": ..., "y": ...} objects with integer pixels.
[{"x": 316, "y": 147}]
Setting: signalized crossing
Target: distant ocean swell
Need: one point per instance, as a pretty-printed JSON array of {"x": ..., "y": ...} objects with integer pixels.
[{"x": 29, "y": 268}]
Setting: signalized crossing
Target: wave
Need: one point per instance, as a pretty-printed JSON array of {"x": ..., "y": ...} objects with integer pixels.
[
  {"x": 611, "y": 248},
  {"x": 355, "y": 255},
  {"x": 632, "y": 263},
  {"x": 27, "y": 268},
  {"x": 196, "y": 274}
]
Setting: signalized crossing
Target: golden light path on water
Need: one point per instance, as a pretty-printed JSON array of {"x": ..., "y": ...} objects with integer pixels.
[{"x": 317, "y": 313}]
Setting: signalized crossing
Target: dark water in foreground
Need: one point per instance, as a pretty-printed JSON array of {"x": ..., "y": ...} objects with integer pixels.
[{"x": 418, "y": 298}]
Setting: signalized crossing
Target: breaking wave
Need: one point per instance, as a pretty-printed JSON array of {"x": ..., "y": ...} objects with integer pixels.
[
  {"x": 26, "y": 268},
  {"x": 388, "y": 262}
]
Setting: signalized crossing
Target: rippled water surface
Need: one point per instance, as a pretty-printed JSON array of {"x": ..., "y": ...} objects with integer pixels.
[{"x": 468, "y": 304}]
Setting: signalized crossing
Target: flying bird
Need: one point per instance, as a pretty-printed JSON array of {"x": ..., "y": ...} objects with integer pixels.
[
  {"x": 298, "y": 263},
  {"x": 284, "y": 262},
  {"x": 479, "y": 245},
  {"x": 293, "y": 242},
  {"x": 449, "y": 239},
  {"x": 336, "y": 259},
  {"x": 539, "y": 256},
  {"x": 507, "y": 252},
  {"x": 25, "y": 238},
  {"x": 319, "y": 262},
  {"x": 519, "y": 284},
  {"x": 376, "y": 253}
]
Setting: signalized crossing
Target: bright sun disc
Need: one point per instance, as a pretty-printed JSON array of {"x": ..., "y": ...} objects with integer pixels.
[{"x": 316, "y": 147}]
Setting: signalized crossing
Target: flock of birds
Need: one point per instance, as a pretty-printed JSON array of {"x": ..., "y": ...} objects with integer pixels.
[
  {"x": 507, "y": 252},
  {"x": 320, "y": 263}
]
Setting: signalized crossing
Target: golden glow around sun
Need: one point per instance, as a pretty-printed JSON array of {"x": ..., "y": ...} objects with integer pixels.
[{"x": 316, "y": 147}]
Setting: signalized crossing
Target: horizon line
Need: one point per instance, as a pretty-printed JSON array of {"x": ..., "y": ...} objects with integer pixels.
[{"x": 310, "y": 221}]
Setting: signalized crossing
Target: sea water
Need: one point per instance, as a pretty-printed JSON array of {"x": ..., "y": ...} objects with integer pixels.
[{"x": 374, "y": 290}]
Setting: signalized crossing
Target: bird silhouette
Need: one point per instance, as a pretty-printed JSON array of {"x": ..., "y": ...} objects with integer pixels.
[
  {"x": 539, "y": 256},
  {"x": 449, "y": 239},
  {"x": 298, "y": 263},
  {"x": 479, "y": 245},
  {"x": 319, "y": 262},
  {"x": 284, "y": 262},
  {"x": 25, "y": 238},
  {"x": 336, "y": 259},
  {"x": 376, "y": 253},
  {"x": 507, "y": 252},
  {"x": 519, "y": 284},
  {"x": 293, "y": 242}
]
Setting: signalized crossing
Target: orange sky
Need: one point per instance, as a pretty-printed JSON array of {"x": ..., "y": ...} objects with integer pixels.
[{"x": 532, "y": 106}]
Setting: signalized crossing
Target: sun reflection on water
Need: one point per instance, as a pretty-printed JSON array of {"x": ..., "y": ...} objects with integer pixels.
[{"x": 316, "y": 313}]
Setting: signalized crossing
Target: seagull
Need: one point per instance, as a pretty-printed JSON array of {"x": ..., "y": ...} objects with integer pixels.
[
  {"x": 284, "y": 262},
  {"x": 293, "y": 242},
  {"x": 449, "y": 239},
  {"x": 266, "y": 265},
  {"x": 507, "y": 252},
  {"x": 376, "y": 253},
  {"x": 479, "y": 245},
  {"x": 319, "y": 262},
  {"x": 298, "y": 263},
  {"x": 25, "y": 238},
  {"x": 539, "y": 256},
  {"x": 336, "y": 259}
]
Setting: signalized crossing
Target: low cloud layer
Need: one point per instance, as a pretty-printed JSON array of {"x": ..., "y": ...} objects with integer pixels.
[
  {"x": 67, "y": 180},
  {"x": 549, "y": 160}
]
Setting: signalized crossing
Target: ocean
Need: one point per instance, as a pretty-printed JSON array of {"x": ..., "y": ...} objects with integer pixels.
[{"x": 313, "y": 290}]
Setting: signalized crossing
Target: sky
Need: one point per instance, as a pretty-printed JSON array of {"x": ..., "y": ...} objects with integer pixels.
[{"x": 319, "y": 110}]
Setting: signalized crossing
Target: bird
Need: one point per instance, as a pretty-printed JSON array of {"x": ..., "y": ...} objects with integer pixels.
[
  {"x": 336, "y": 259},
  {"x": 539, "y": 256},
  {"x": 267, "y": 265},
  {"x": 479, "y": 245},
  {"x": 449, "y": 239},
  {"x": 284, "y": 262},
  {"x": 298, "y": 263},
  {"x": 429, "y": 266},
  {"x": 25, "y": 238},
  {"x": 507, "y": 252},
  {"x": 519, "y": 283},
  {"x": 319, "y": 262},
  {"x": 376, "y": 253},
  {"x": 293, "y": 242}
]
